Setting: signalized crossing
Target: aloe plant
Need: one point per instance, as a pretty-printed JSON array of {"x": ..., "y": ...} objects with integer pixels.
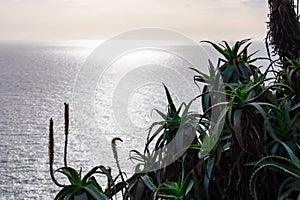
[
  {"x": 78, "y": 185},
  {"x": 236, "y": 64},
  {"x": 87, "y": 186},
  {"x": 169, "y": 125},
  {"x": 289, "y": 167},
  {"x": 285, "y": 122},
  {"x": 184, "y": 158},
  {"x": 176, "y": 190},
  {"x": 169, "y": 138},
  {"x": 249, "y": 100},
  {"x": 172, "y": 128},
  {"x": 290, "y": 75}
]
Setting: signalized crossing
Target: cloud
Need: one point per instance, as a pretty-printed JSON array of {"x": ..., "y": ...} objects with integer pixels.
[{"x": 95, "y": 18}]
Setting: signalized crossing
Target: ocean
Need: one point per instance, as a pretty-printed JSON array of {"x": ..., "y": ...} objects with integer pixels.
[{"x": 36, "y": 80}]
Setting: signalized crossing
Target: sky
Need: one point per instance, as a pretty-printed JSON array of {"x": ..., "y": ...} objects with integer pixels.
[{"x": 102, "y": 19}]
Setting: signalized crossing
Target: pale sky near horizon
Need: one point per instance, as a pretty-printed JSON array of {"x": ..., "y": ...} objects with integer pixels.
[{"x": 102, "y": 19}]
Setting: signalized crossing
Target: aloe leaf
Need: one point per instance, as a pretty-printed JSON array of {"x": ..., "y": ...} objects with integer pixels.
[
  {"x": 206, "y": 102},
  {"x": 227, "y": 73},
  {"x": 70, "y": 189},
  {"x": 139, "y": 155},
  {"x": 71, "y": 174},
  {"x": 285, "y": 183},
  {"x": 189, "y": 187},
  {"x": 92, "y": 180},
  {"x": 258, "y": 106},
  {"x": 148, "y": 182},
  {"x": 245, "y": 48},
  {"x": 119, "y": 186},
  {"x": 161, "y": 123},
  {"x": 139, "y": 190},
  {"x": 219, "y": 49},
  {"x": 282, "y": 164},
  {"x": 179, "y": 140},
  {"x": 137, "y": 158},
  {"x": 160, "y": 141},
  {"x": 243, "y": 68},
  {"x": 194, "y": 69},
  {"x": 107, "y": 173},
  {"x": 295, "y": 107},
  {"x": 94, "y": 192},
  {"x": 170, "y": 101},
  {"x": 236, "y": 76},
  {"x": 199, "y": 79},
  {"x": 237, "y": 122},
  {"x": 154, "y": 135},
  {"x": 224, "y": 61},
  {"x": 181, "y": 106},
  {"x": 254, "y": 59},
  {"x": 236, "y": 48},
  {"x": 212, "y": 70},
  {"x": 227, "y": 46},
  {"x": 252, "y": 183},
  {"x": 208, "y": 175},
  {"x": 288, "y": 193},
  {"x": 164, "y": 116},
  {"x": 202, "y": 75},
  {"x": 171, "y": 185},
  {"x": 291, "y": 184},
  {"x": 282, "y": 168},
  {"x": 271, "y": 97},
  {"x": 168, "y": 192},
  {"x": 89, "y": 174},
  {"x": 229, "y": 115},
  {"x": 289, "y": 151},
  {"x": 245, "y": 40}
]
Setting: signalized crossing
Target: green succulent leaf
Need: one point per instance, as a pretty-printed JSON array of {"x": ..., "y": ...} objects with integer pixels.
[
  {"x": 94, "y": 192},
  {"x": 67, "y": 191},
  {"x": 148, "y": 182},
  {"x": 170, "y": 101},
  {"x": 89, "y": 174},
  {"x": 71, "y": 174},
  {"x": 221, "y": 50},
  {"x": 237, "y": 125},
  {"x": 227, "y": 74}
]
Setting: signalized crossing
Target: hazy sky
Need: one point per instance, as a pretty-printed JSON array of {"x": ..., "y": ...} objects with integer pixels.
[{"x": 101, "y": 19}]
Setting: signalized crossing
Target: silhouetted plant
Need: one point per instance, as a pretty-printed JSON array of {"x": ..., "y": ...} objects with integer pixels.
[
  {"x": 87, "y": 186},
  {"x": 250, "y": 98},
  {"x": 155, "y": 167},
  {"x": 283, "y": 29},
  {"x": 261, "y": 132},
  {"x": 236, "y": 66}
]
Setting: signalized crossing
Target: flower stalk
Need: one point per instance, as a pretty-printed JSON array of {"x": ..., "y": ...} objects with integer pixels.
[
  {"x": 66, "y": 116},
  {"x": 51, "y": 153}
]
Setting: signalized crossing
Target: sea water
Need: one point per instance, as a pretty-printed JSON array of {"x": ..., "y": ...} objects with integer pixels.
[{"x": 35, "y": 81}]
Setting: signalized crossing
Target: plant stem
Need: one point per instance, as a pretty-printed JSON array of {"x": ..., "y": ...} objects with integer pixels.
[
  {"x": 297, "y": 8},
  {"x": 114, "y": 149},
  {"x": 66, "y": 132},
  {"x": 51, "y": 153}
]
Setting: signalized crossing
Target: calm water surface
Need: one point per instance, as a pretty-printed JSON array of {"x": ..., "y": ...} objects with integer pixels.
[{"x": 35, "y": 81}]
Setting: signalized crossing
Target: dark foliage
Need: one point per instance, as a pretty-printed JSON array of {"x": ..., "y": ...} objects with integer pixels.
[{"x": 284, "y": 29}]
